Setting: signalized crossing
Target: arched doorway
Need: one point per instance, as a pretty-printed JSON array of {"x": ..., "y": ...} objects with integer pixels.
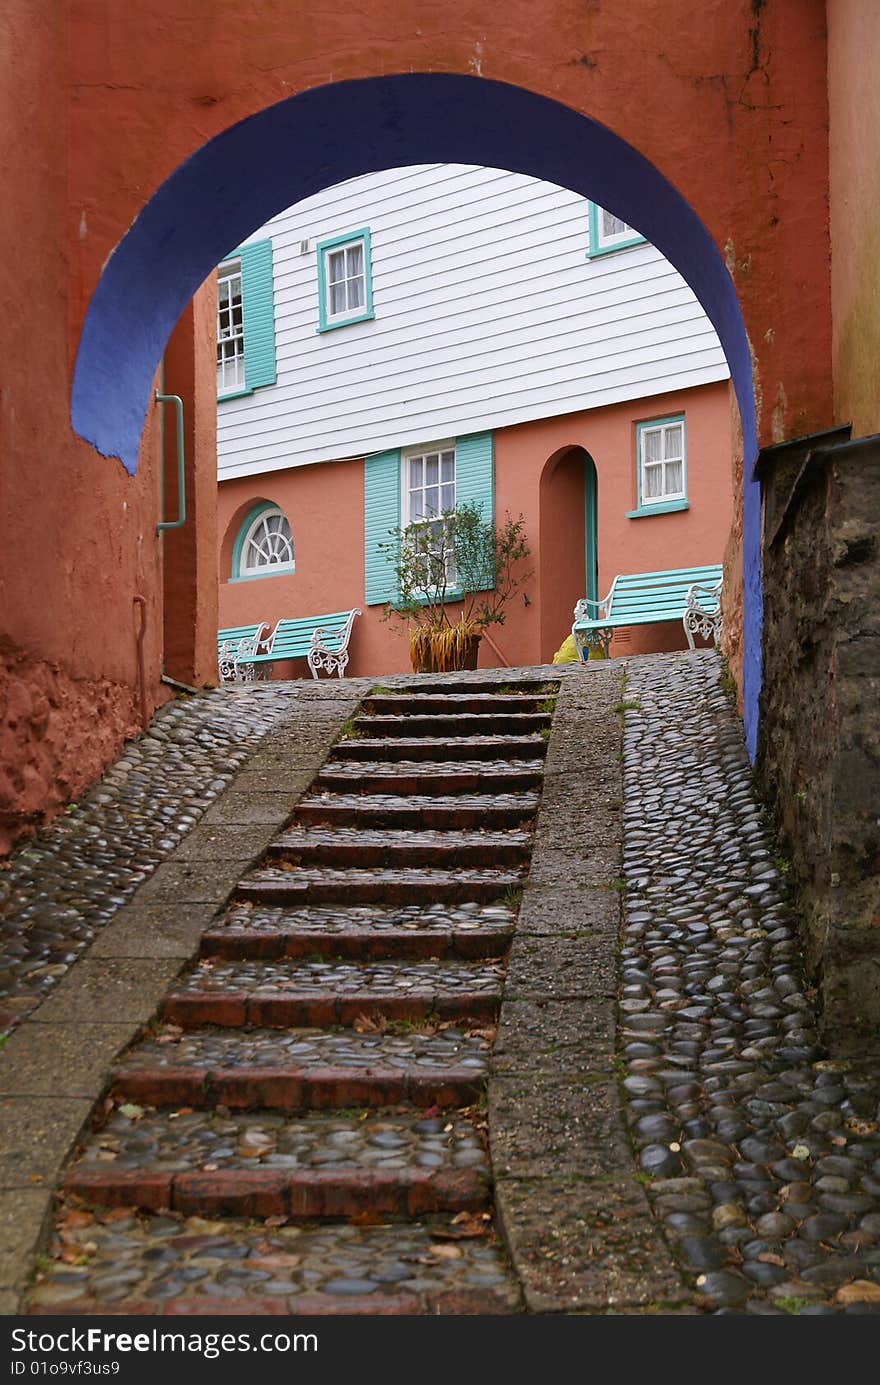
[
  {"x": 328, "y": 134},
  {"x": 569, "y": 546}
]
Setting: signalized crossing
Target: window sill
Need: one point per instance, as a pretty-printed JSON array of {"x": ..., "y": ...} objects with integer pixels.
[
  {"x": 345, "y": 322},
  {"x": 263, "y": 576},
  {"x": 613, "y": 249},
  {"x": 234, "y": 394},
  {"x": 665, "y": 507}
]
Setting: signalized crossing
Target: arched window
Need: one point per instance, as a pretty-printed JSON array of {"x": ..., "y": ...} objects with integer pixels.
[{"x": 265, "y": 544}]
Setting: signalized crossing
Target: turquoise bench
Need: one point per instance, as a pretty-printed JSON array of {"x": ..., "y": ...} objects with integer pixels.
[
  {"x": 321, "y": 640},
  {"x": 235, "y": 646},
  {"x": 691, "y": 595}
]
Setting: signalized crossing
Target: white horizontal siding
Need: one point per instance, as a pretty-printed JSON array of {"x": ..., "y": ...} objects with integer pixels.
[{"x": 488, "y": 313}]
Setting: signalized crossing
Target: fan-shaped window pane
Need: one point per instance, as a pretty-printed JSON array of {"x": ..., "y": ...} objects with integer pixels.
[{"x": 267, "y": 546}]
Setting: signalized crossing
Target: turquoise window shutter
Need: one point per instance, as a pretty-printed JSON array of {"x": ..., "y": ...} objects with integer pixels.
[
  {"x": 381, "y": 513},
  {"x": 258, "y": 313},
  {"x": 475, "y": 472}
]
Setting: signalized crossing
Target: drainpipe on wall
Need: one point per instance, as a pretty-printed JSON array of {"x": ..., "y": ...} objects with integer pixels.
[
  {"x": 178, "y": 523},
  {"x": 141, "y": 603}
]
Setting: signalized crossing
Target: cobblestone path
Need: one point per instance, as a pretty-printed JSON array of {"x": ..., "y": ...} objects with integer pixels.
[
  {"x": 761, "y": 1154},
  {"x": 304, "y": 1128}
]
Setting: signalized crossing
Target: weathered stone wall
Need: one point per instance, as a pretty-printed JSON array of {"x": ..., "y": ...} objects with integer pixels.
[
  {"x": 57, "y": 732},
  {"x": 819, "y": 757}
]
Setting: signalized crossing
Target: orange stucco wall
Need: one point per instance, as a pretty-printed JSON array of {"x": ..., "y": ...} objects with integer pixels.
[
  {"x": 325, "y": 506},
  {"x": 854, "y": 108}
]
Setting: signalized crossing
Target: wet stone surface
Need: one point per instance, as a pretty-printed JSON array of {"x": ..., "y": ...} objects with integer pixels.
[
  {"x": 424, "y": 876},
  {"x": 132, "y": 1259},
  {"x": 436, "y": 1050},
  {"x": 528, "y": 802},
  {"x": 60, "y": 889},
  {"x": 173, "y": 1142},
  {"x": 341, "y": 978},
  {"x": 425, "y": 769},
  {"x": 256, "y": 918},
  {"x": 763, "y": 1154},
  {"x": 296, "y": 838}
]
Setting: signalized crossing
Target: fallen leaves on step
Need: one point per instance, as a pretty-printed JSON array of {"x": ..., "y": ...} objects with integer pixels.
[
  {"x": 465, "y": 1226},
  {"x": 365, "y": 1218},
  {"x": 858, "y": 1291}
]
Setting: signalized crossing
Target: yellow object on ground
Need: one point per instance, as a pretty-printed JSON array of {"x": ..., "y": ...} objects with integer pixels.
[{"x": 566, "y": 653}]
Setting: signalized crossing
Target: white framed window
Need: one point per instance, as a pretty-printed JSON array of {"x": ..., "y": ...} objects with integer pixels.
[
  {"x": 345, "y": 287},
  {"x": 661, "y": 462},
  {"x": 230, "y": 329},
  {"x": 609, "y": 232},
  {"x": 266, "y": 544},
  {"x": 428, "y": 480}
]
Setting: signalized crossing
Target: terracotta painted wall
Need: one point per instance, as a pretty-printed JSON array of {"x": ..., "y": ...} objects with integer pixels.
[
  {"x": 325, "y": 506},
  {"x": 854, "y": 153},
  {"x": 77, "y": 535},
  {"x": 74, "y": 529},
  {"x": 190, "y": 553}
]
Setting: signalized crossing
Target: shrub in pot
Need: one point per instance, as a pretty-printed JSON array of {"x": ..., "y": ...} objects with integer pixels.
[{"x": 459, "y": 557}]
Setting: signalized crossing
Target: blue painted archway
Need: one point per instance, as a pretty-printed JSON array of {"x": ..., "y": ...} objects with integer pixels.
[{"x": 255, "y": 169}]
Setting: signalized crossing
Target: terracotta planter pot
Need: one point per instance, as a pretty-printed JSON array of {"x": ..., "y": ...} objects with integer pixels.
[{"x": 468, "y": 660}]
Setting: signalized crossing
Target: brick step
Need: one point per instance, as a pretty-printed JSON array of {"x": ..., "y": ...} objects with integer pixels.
[
  {"x": 454, "y": 685},
  {"x": 287, "y": 993},
  {"x": 466, "y": 930},
  {"x": 428, "y": 777},
  {"x": 300, "y": 1195},
  {"x": 444, "y": 748},
  {"x": 446, "y": 812},
  {"x": 187, "y": 1266},
  {"x": 452, "y": 704},
  {"x": 423, "y": 885},
  {"x": 361, "y": 943},
  {"x": 306, "y": 1069},
  {"x": 397, "y": 849},
  {"x": 207, "y": 1163},
  {"x": 452, "y": 725}
]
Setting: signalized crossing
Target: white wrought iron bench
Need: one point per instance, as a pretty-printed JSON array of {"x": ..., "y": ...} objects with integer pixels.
[
  {"x": 691, "y": 595},
  {"x": 237, "y": 647},
  {"x": 321, "y": 640}
]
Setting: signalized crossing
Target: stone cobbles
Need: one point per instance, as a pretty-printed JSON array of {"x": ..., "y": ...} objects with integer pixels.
[
  {"x": 468, "y": 930},
  {"x": 175, "y": 1264},
  {"x": 447, "y": 726},
  {"x": 59, "y": 890},
  {"x": 465, "y": 917},
  {"x": 385, "y": 978},
  {"x": 380, "y": 1063},
  {"x": 286, "y": 993},
  {"x": 185, "y": 1141},
  {"x": 364, "y": 847},
  {"x": 456, "y": 811},
  {"x": 432, "y": 1049},
  {"x": 404, "y": 777},
  {"x": 762, "y": 1155}
]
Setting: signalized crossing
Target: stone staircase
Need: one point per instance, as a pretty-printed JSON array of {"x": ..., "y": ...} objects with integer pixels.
[{"x": 303, "y": 1131}]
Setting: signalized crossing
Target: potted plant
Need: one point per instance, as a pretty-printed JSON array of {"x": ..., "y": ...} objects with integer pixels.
[{"x": 461, "y": 560}]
